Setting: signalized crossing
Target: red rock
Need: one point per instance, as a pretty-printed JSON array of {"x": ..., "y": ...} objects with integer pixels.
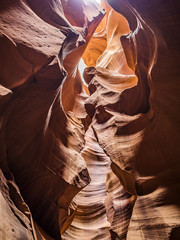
[{"x": 96, "y": 163}]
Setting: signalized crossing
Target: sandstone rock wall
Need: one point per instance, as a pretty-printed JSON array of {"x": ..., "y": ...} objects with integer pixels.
[{"x": 96, "y": 163}]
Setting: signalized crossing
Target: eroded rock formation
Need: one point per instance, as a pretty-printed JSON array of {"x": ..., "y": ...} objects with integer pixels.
[{"x": 89, "y": 163}]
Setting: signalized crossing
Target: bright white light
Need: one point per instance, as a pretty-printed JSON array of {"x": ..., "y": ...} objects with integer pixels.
[
  {"x": 98, "y": 1},
  {"x": 81, "y": 67}
]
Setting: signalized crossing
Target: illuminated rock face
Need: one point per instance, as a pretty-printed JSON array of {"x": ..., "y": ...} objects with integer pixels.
[{"x": 89, "y": 163}]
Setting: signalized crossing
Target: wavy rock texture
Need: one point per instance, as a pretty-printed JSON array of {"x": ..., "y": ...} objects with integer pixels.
[
  {"x": 134, "y": 127},
  {"x": 96, "y": 163},
  {"x": 40, "y": 141},
  {"x": 91, "y": 218}
]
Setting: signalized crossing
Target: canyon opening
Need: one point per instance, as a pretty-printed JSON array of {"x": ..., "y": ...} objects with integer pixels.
[{"x": 89, "y": 120}]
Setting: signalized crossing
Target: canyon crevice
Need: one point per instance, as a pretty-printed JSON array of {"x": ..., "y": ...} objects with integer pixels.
[{"x": 92, "y": 155}]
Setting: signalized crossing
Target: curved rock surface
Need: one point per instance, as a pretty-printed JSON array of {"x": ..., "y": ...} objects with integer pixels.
[
  {"x": 143, "y": 142},
  {"x": 41, "y": 143},
  {"x": 96, "y": 163}
]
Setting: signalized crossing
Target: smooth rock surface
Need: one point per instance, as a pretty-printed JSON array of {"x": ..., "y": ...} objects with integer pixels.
[{"x": 89, "y": 163}]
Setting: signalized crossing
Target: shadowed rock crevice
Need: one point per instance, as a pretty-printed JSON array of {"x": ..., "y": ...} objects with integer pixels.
[{"x": 92, "y": 158}]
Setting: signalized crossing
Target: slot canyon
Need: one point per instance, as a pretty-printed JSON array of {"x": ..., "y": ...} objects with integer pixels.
[{"x": 89, "y": 120}]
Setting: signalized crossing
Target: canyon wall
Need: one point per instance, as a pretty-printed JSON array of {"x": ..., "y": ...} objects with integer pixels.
[{"x": 93, "y": 156}]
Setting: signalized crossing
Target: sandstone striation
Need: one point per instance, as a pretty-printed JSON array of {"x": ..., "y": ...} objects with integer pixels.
[
  {"x": 40, "y": 141},
  {"x": 97, "y": 159}
]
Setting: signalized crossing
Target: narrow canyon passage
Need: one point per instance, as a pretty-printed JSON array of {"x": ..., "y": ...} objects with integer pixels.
[
  {"x": 101, "y": 204},
  {"x": 89, "y": 120}
]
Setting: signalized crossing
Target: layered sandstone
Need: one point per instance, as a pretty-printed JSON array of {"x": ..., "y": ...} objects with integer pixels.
[{"x": 89, "y": 163}]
